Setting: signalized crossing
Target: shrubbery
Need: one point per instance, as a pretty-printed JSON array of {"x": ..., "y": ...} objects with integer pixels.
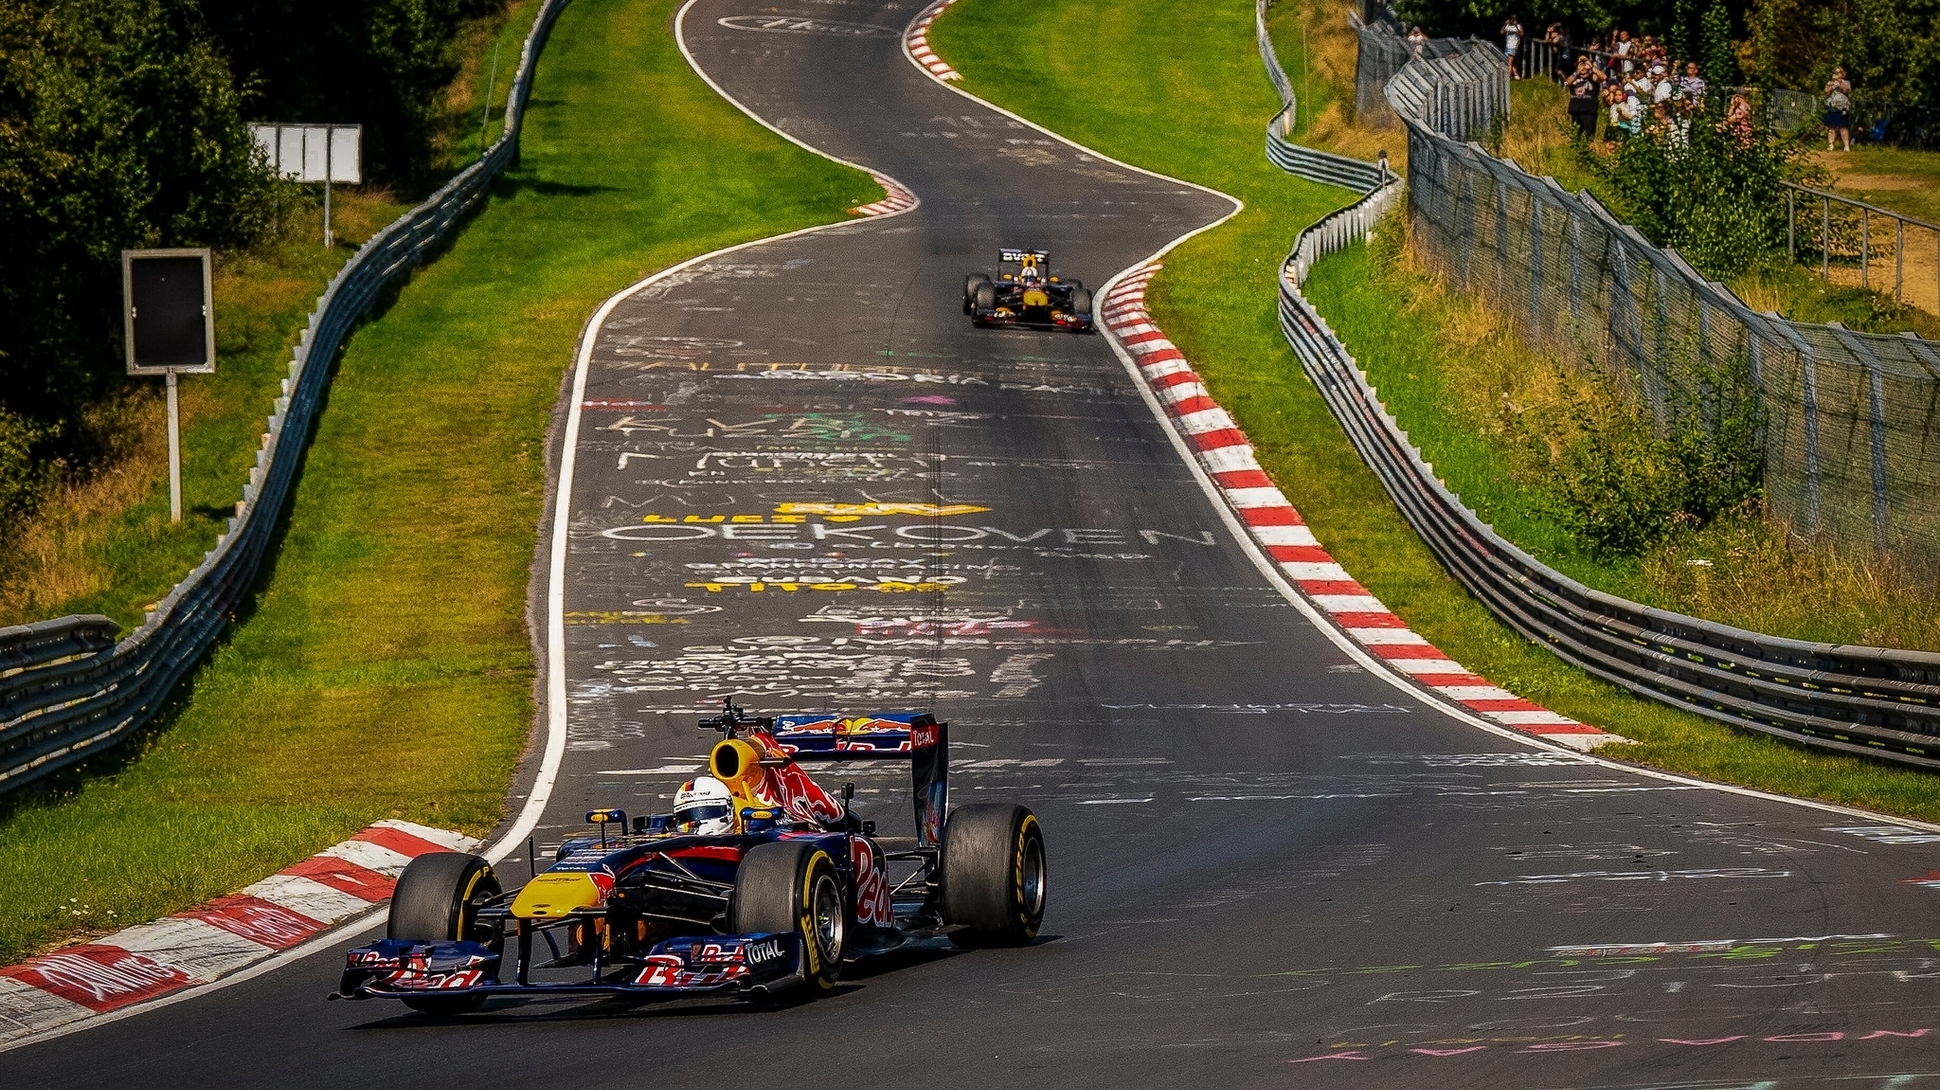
[
  {"x": 1621, "y": 481},
  {"x": 1713, "y": 195}
]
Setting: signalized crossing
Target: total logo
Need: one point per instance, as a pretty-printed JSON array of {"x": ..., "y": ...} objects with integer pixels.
[{"x": 758, "y": 953}]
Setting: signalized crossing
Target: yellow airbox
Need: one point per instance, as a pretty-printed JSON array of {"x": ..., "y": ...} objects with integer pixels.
[
  {"x": 555, "y": 894},
  {"x": 1036, "y": 299},
  {"x": 737, "y": 764}
]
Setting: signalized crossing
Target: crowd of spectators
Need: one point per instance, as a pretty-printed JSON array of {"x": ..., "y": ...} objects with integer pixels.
[{"x": 1643, "y": 89}]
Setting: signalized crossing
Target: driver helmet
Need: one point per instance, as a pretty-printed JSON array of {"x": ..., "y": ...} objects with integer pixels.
[
  {"x": 1029, "y": 274},
  {"x": 705, "y": 806}
]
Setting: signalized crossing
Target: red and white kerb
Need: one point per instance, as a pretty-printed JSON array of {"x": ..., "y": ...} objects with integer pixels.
[
  {"x": 898, "y": 198},
  {"x": 216, "y": 939},
  {"x": 1279, "y": 529},
  {"x": 919, "y": 43}
]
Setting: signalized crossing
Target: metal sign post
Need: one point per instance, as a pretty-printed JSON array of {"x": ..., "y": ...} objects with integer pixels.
[
  {"x": 169, "y": 322},
  {"x": 313, "y": 153}
]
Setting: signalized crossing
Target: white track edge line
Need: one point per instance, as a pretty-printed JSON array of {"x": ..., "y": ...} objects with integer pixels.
[
  {"x": 1267, "y": 565},
  {"x": 555, "y": 751}
]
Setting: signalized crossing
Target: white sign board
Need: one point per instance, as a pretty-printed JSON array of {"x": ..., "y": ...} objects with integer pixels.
[{"x": 312, "y": 153}]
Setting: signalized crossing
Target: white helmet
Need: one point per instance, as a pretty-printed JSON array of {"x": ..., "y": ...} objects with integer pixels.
[{"x": 704, "y": 805}]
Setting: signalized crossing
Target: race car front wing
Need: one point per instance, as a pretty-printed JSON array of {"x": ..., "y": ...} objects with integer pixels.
[{"x": 399, "y": 968}]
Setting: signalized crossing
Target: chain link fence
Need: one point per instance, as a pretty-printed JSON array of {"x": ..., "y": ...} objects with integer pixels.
[
  {"x": 1850, "y": 430},
  {"x": 1382, "y": 54}
]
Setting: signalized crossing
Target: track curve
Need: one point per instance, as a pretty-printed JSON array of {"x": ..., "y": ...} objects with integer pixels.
[{"x": 1268, "y": 864}]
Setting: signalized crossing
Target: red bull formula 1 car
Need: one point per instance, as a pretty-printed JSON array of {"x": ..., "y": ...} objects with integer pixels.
[
  {"x": 1029, "y": 297},
  {"x": 774, "y": 905}
]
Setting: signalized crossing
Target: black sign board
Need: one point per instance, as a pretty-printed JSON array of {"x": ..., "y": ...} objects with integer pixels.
[{"x": 169, "y": 312}]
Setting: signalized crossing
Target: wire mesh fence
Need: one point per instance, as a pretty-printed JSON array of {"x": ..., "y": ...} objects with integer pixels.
[
  {"x": 1848, "y": 423},
  {"x": 1851, "y": 242},
  {"x": 1382, "y": 54}
]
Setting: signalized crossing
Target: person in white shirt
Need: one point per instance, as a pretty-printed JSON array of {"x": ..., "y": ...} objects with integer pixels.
[
  {"x": 1511, "y": 41},
  {"x": 1623, "y": 50}
]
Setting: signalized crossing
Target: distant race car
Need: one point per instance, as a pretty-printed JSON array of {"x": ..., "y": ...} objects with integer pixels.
[
  {"x": 1030, "y": 297},
  {"x": 770, "y": 895}
]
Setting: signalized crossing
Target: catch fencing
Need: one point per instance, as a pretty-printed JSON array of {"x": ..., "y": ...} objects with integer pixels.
[
  {"x": 1309, "y": 163},
  {"x": 68, "y": 687},
  {"x": 1848, "y": 432},
  {"x": 1382, "y": 54},
  {"x": 1865, "y": 700}
]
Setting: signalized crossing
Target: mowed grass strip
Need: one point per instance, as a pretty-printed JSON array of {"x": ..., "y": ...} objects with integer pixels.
[
  {"x": 384, "y": 669},
  {"x": 1180, "y": 89}
]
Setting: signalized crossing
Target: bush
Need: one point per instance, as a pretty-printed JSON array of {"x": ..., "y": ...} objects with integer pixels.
[
  {"x": 1715, "y": 197},
  {"x": 1622, "y": 482},
  {"x": 25, "y": 478}
]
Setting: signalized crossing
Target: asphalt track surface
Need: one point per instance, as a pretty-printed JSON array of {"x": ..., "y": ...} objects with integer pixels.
[{"x": 1261, "y": 852}]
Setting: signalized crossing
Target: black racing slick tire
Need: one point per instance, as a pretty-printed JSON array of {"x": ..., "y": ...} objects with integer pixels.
[
  {"x": 1081, "y": 301},
  {"x": 791, "y": 886},
  {"x": 994, "y": 875},
  {"x": 986, "y": 296},
  {"x": 436, "y": 900},
  {"x": 970, "y": 289}
]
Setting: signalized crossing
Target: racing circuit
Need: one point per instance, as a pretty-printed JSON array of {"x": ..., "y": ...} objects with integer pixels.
[{"x": 798, "y": 476}]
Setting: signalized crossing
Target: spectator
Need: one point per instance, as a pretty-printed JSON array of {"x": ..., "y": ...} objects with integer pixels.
[
  {"x": 1661, "y": 87},
  {"x": 1583, "y": 86},
  {"x": 1553, "y": 47},
  {"x": 1838, "y": 109},
  {"x": 1737, "y": 121},
  {"x": 1416, "y": 41},
  {"x": 1511, "y": 42},
  {"x": 1623, "y": 50},
  {"x": 1692, "y": 86}
]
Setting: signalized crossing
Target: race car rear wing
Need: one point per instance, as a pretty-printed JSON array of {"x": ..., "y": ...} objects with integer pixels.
[
  {"x": 916, "y": 737},
  {"x": 1043, "y": 256}
]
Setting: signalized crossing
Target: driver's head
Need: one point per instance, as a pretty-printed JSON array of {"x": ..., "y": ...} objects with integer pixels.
[{"x": 704, "y": 805}]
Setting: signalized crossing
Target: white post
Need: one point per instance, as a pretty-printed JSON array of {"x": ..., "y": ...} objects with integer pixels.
[
  {"x": 329, "y": 240},
  {"x": 174, "y": 453}
]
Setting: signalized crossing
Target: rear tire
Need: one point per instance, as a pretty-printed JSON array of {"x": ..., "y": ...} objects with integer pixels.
[
  {"x": 436, "y": 900},
  {"x": 790, "y": 886},
  {"x": 994, "y": 875},
  {"x": 970, "y": 289}
]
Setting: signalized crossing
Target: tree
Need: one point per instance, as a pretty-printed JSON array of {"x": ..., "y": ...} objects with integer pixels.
[{"x": 120, "y": 127}]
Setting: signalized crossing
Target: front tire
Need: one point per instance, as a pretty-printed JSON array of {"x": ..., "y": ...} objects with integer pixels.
[
  {"x": 1081, "y": 302},
  {"x": 986, "y": 296},
  {"x": 994, "y": 875},
  {"x": 970, "y": 289},
  {"x": 790, "y": 886},
  {"x": 436, "y": 900}
]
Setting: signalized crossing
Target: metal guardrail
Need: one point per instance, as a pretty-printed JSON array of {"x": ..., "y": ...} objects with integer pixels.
[
  {"x": 67, "y": 687},
  {"x": 1314, "y": 165},
  {"x": 1866, "y": 700},
  {"x": 1829, "y": 241}
]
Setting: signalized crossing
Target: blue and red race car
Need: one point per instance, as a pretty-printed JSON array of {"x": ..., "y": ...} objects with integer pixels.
[
  {"x": 1029, "y": 297},
  {"x": 775, "y": 905}
]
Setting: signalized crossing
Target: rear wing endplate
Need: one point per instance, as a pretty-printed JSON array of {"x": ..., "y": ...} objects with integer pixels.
[{"x": 916, "y": 737}]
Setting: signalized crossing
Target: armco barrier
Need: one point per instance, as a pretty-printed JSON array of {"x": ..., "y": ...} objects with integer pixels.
[
  {"x": 1868, "y": 700},
  {"x": 66, "y": 686},
  {"x": 1315, "y": 166}
]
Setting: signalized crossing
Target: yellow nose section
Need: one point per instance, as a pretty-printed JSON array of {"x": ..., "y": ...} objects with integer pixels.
[
  {"x": 551, "y": 895},
  {"x": 1036, "y": 299}
]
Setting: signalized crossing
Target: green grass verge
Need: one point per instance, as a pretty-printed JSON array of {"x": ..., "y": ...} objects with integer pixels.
[
  {"x": 1179, "y": 88},
  {"x": 384, "y": 669}
]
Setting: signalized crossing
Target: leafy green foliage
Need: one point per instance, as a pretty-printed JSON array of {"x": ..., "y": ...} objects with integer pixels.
[
  {"x": 1714, "y": 196},
  {"x": 24, "y": 479},
  {"x": 1621, "y": 483},
  {"x": 1890, "y": 49},
  {"x": 1715, "y": 54},
  {"x": 120, "y": 127}
]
